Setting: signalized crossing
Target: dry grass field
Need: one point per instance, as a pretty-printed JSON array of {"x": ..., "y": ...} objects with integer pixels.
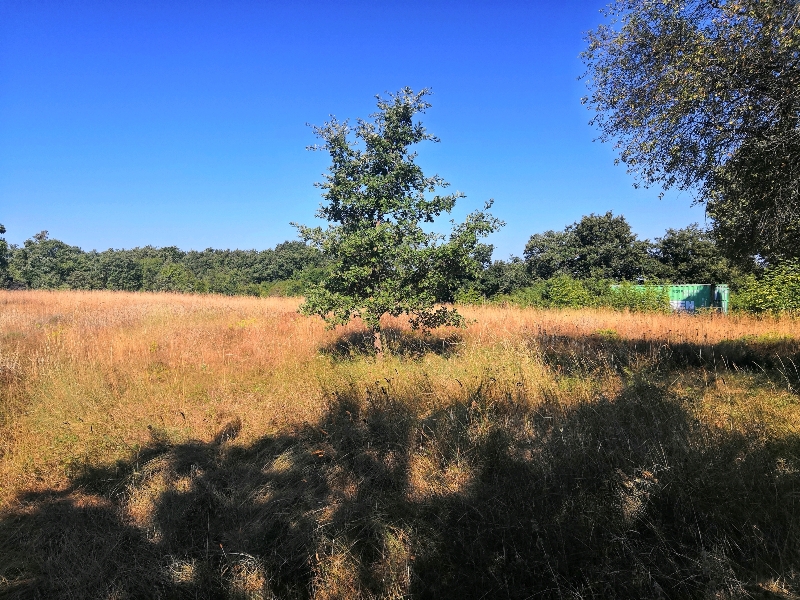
[{"x": 178, "y": 446}]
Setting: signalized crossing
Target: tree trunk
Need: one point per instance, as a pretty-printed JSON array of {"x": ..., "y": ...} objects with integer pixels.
[
  {"x": 376, "y": 331},
  {"x": 377, "y": 343}
]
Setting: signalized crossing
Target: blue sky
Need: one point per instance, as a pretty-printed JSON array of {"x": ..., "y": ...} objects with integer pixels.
[{"x": 184, "y": 123}]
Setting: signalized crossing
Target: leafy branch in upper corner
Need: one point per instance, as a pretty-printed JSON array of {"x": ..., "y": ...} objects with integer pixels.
[{"x": 704, "y": 96}]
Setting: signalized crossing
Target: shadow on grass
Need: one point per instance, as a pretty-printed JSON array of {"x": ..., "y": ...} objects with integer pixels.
[
  {"x": 404, "y": 343},
  {"x": 626, "y": 497},
  {"x": 776, "y": 358}
]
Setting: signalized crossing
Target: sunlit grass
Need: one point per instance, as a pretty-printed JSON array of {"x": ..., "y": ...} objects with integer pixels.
[{"x": 242, "y": 450}]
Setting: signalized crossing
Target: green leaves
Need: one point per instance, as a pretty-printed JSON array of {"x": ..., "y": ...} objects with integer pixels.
[
  {"x": 3, "y": 258},
  {"x": 704, "y": 96},
  {"x": 44, "y": 263},
  {"x": 776, "y": 292},
  {"x": 601, "y": 246},
  {"x": 381, "y": 259}
]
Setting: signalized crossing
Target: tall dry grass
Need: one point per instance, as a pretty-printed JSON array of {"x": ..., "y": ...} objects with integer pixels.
[{"x": 206, "y": 446}]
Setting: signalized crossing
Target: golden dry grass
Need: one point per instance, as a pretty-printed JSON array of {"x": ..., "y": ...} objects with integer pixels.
[
  {"x": 96, "y": 375},
  {"x": 133, "y": 417}
]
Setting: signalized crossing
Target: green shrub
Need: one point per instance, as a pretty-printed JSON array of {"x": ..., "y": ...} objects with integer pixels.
[
  {"x": 284, "y": 288},
  {"x": 469, "y": 295},
  {"x": 559, "y": 292},
  {"x": 777, "y": 291},
  {"x": 174, "y": 277},
  {"x": 528, "y": 297},
  {"x": 650, "y": 298},
  {"x": 564, "y": 291}
]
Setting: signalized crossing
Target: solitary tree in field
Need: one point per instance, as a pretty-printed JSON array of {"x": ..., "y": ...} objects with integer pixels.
[{"x": 381, "y": 260}]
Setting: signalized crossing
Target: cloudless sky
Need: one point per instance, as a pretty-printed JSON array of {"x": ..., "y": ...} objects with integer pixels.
[{"x": 184, "y": 123}]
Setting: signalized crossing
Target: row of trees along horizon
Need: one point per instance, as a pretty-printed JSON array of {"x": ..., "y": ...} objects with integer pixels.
[{"x": 586, "y": 257}]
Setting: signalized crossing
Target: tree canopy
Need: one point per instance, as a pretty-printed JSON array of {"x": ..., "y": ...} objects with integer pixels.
[
  {"x": 597, "y": 246},
  {"x": 551, "y": 253},
  {"x": 704, "y": 95},
  {"x": 604, "y": 247},
  {"x": 608, "y": 249},
  {"x": 46, "y": 263},
  {"x": 382, "y": 261},
  {"x": 689, "y": 255}
]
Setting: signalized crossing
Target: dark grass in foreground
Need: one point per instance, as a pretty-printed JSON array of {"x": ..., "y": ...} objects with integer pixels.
[{"x": 626, "y": 496}]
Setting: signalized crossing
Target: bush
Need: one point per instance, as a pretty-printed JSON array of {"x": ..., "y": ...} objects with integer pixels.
[
  {"x": 651, "y": 298},
  {"x": 174, "y": 278},
  {"x": 469, "y": 296},
  {"x": 531, "y": 296},
  {"x": 559, "y": 292},
  {"x": 776, "y": 292},
  {"x": 285, "y": 288},
  {"x": 565, "y": 292}
]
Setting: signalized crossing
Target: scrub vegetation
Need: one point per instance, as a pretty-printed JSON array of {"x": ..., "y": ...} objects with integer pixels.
[
  {"x": 204, "y": 446},
  {"x": 577, "y": 267}
]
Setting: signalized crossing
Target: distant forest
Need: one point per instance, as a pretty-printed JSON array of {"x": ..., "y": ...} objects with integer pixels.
[{"x": 598, "y": 247}]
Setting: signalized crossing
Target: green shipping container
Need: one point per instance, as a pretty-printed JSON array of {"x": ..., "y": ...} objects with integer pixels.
[
  {"x": 694, "y": 296},
  {"x": 689, "y": 297}
]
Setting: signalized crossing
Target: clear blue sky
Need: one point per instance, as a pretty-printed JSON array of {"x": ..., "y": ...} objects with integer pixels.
[{"x": 183, "y": 123}]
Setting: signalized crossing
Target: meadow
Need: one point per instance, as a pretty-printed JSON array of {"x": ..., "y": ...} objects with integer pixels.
[{"x": 187, "y": 446}]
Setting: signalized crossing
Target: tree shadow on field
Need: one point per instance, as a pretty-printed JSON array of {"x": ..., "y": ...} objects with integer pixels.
[
  {"x": 624, "y": 497},
  {"x": 776, "y": 358},
  {"x": 399, "y": 342}
]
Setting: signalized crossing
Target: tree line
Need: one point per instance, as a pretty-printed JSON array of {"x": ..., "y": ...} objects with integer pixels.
[
  {"x": 46, "y": 263},
  {"x": 604, "y": 248},
  {"x": 597, "y": 247}
]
